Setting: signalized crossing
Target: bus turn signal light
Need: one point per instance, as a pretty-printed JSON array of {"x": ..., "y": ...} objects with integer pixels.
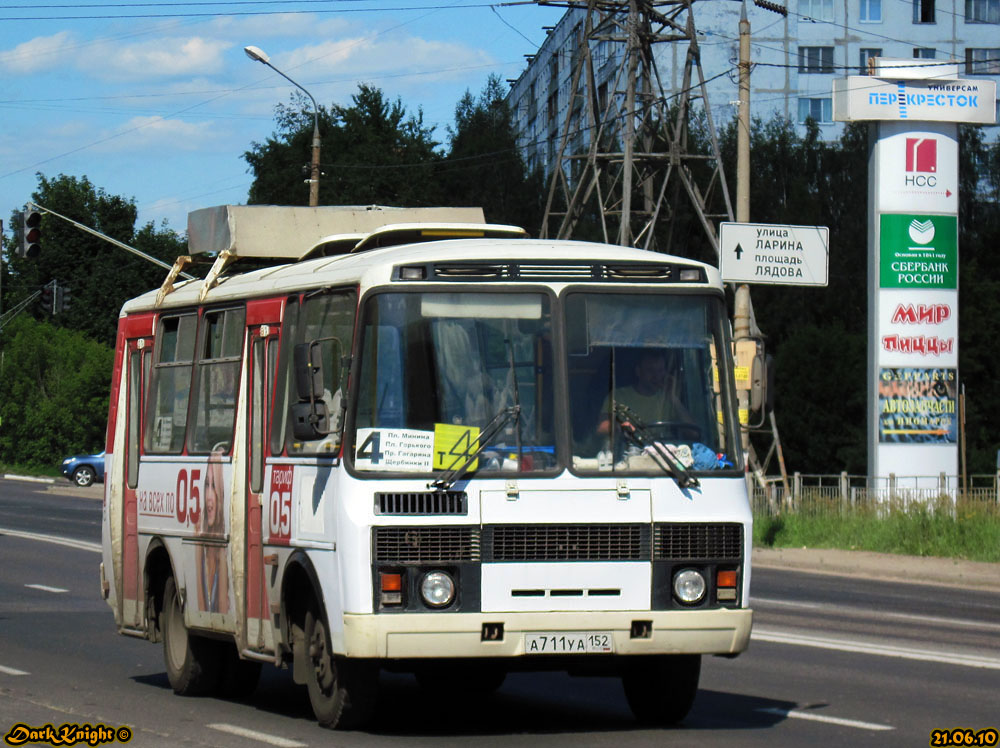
[
  {"x": 391, "y": 584},
  {"x": 725, "y": 585}
]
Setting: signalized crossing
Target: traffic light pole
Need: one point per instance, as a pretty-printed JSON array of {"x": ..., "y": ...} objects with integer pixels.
[{"x": 107, "y": 238}]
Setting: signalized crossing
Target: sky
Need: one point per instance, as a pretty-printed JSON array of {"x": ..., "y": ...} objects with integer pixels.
[{"x": 157, "y": 101}]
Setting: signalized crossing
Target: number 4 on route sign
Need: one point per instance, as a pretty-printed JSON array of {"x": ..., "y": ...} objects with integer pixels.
[{"x": 774, "y": 253}]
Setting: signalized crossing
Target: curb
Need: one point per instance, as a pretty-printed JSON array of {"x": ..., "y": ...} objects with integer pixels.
[
  {"x": 28, "y": 478},
  {"x": 952, "y": 572}
]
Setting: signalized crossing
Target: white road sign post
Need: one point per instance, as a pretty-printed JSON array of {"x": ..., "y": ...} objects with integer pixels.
[{"x": 774, "y": 254}]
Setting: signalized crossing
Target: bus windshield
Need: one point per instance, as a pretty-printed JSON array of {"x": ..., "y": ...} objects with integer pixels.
[
  {"x": 643, "y": 372},
  {"x": 436, "y": 368}
]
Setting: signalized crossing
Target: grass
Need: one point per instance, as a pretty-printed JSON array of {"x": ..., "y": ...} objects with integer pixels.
[
  {"x": 969, "y": 530},
  {"x": 31, "y": 470}
]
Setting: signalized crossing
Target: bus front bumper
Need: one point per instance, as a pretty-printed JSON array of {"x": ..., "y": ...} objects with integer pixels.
[{"x": 450, "y": 635}]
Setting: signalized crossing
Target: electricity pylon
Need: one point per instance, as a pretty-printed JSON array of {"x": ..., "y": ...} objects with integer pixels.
[{"x": 624, "y": 156}]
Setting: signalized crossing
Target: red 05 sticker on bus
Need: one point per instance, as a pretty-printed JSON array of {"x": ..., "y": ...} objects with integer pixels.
[{"x": 279, "y": 508}]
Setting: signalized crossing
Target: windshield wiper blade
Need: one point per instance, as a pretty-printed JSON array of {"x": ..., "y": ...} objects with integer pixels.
[
  {"x": 636, "y": 433},
  {"x": 489, "y": 432}
]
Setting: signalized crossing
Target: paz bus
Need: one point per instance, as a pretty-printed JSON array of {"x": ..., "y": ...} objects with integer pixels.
[{"x": 408, "y": 440}]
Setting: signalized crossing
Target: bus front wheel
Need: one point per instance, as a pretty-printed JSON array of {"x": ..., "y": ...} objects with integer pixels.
[
  {"x": 661, "y": 690},
  {"x": 192, "y": 662},
  {"x": 342, "y": 693}
]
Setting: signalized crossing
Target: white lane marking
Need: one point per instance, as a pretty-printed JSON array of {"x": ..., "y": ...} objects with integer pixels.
[
  {"x": 263, "y": 737},
  {"x": 884, "y": 650},
  {"x": 878, "y": 613},
  {"x": 11, "y": 671},
  {"x": 795, "y": 714},
  {"x": 82, "y": 545},
  {"x": 45, "y": 588}
]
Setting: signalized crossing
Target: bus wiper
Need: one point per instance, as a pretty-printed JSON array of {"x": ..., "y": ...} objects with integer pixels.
[
  {"x": 636, "y": 433},
  {"x": 489, "y": 432}
]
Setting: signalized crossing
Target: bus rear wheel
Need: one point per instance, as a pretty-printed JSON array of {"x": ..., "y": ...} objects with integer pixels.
[
  {"x": 661, "y": 690},
  {"x": 193, "y": 666},
  {"x": 342, "y": 693}
]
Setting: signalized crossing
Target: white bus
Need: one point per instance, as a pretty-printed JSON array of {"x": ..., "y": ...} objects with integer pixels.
[{"x": 431, "y": 445}]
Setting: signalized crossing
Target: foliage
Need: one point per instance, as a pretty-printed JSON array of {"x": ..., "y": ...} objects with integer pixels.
[
  {"x": 375, "y": 152},
  {"x": 969, "y": 531},
  {"x": 100, "y": 276},
  {"x": 484, "y": 167},
  {"x": 372, "y": 152},
  {"x": 53, "y": 393}
]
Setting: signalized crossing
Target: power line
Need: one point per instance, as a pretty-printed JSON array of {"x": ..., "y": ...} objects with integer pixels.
[{"x": 231, "y": 14}]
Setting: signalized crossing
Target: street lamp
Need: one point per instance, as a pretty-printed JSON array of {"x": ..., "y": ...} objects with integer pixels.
[{"x": 257, "y": 54}]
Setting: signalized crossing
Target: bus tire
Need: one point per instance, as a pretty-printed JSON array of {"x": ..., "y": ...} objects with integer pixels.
[
  {"x": 193, "y": 665},
  {"x": 661, "y": 690},
  {"x": 342, "y": 693}
]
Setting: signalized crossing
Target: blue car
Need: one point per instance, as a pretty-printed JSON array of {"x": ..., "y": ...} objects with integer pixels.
[{"x": 83, "y": 470}]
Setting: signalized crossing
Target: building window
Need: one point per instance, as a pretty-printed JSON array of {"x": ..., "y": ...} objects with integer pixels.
[
  {"x": 815, "y": 59},
  {"x": 924, "y": 53},
  {"x": 982, "y": 61},
  {"x": 866, "y": 54},
  {"x": 819, "y": 109},
  {"x": 819, "y": 10},
  {"x": 982, "y": 11},
  {"x": 871, "y": 11},
  {"x": 923, "y": 11}
]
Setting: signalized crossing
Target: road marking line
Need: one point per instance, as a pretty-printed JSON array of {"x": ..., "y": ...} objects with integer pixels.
[
  {"x": 884, "y": 650},
  {"x": 45, "y": 588},
  {"x": 82, "y": 545},
  {"x": 12, "y": 671},
  {"x": 263, "y": 737},
  {"x": 795, "y": 714},
  {"x": 878, "y": 613}
]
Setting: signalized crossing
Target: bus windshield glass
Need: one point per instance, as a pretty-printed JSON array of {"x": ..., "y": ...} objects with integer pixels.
[
  {"x": 644, "y": 372},
  {"x": 437, "y": 368}
]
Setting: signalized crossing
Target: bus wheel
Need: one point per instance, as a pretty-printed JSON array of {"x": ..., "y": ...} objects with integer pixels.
[
  {"x": 342, "y": 693},
  {"x": 192, "y": 662},
  {"x": 661, "y": 690}
]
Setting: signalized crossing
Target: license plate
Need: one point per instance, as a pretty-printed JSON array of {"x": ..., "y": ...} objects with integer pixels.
[{"x": 572, "y": 642}]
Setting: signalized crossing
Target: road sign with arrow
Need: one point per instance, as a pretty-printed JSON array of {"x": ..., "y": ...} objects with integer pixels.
[{"x": 772, "y": 253}]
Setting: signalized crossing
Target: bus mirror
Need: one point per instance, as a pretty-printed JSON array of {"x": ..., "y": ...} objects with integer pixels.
[
  {"x": 758, "y": 379},
  {"x": 308, "y": 373},
  {"x": 310, "y": 420}
]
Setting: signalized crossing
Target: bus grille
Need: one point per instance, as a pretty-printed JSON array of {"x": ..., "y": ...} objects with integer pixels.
[
  {"x": 576, "y": 542},
  {"x": 434, "y": 502},
  {"x": 406, "y": 545},
  {"x": 697, "y": 541}
]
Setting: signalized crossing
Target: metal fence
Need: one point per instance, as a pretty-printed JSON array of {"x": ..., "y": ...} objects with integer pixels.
[{"x": 850, "y": 494}]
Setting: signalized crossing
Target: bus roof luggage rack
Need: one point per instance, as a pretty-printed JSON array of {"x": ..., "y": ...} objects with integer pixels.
[{"x": 293, "y": 233}]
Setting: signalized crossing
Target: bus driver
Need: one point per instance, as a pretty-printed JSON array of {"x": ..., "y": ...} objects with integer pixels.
[{"x": 652, "y": 397}]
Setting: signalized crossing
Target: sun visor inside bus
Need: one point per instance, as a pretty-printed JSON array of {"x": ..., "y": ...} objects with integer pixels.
[{"x": 294, "y": 232}]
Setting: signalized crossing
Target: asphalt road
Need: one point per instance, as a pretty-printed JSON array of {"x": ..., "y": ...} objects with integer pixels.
[{"x": 834, "y": 660}]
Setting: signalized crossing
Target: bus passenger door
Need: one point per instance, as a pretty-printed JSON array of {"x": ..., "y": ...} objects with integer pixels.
[
  {"x": 136, "y": 376},
  {"x": 263, "y": 350}
]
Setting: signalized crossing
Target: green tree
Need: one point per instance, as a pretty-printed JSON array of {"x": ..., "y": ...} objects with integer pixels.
[
  {"x": 100, "y": 276},
  {"x": 484, "y": 167},
  {"x": 54, "y": 391},
  {"x": 372, "y": 152}
]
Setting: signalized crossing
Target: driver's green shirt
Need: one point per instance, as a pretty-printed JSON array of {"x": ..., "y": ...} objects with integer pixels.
[{"x": 658, "y": 406}]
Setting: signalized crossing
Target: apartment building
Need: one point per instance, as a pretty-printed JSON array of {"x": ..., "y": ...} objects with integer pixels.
[{"x": 795, "y": 59}]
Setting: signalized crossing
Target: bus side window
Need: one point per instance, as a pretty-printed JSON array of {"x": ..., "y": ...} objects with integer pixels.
[
  {"x": 326, "y": 315},
  {"x": 170, "y": 385},
  {"x": 217, "y": 372}
]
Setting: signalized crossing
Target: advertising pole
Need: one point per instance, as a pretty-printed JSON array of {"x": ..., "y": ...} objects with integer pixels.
[{"x": 913, "y": 406}]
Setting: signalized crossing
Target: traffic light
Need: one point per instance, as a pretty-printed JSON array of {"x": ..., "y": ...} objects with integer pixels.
[
  {"x": 31, "y": 234},
  {"x": 62, "y": 299},
  {"x": 49, "y": 296}
]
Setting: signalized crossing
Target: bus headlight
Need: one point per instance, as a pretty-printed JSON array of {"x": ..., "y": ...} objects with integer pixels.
[
  {"x": 437, "y": 588},
  {"x": 689, "y": 586}
]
